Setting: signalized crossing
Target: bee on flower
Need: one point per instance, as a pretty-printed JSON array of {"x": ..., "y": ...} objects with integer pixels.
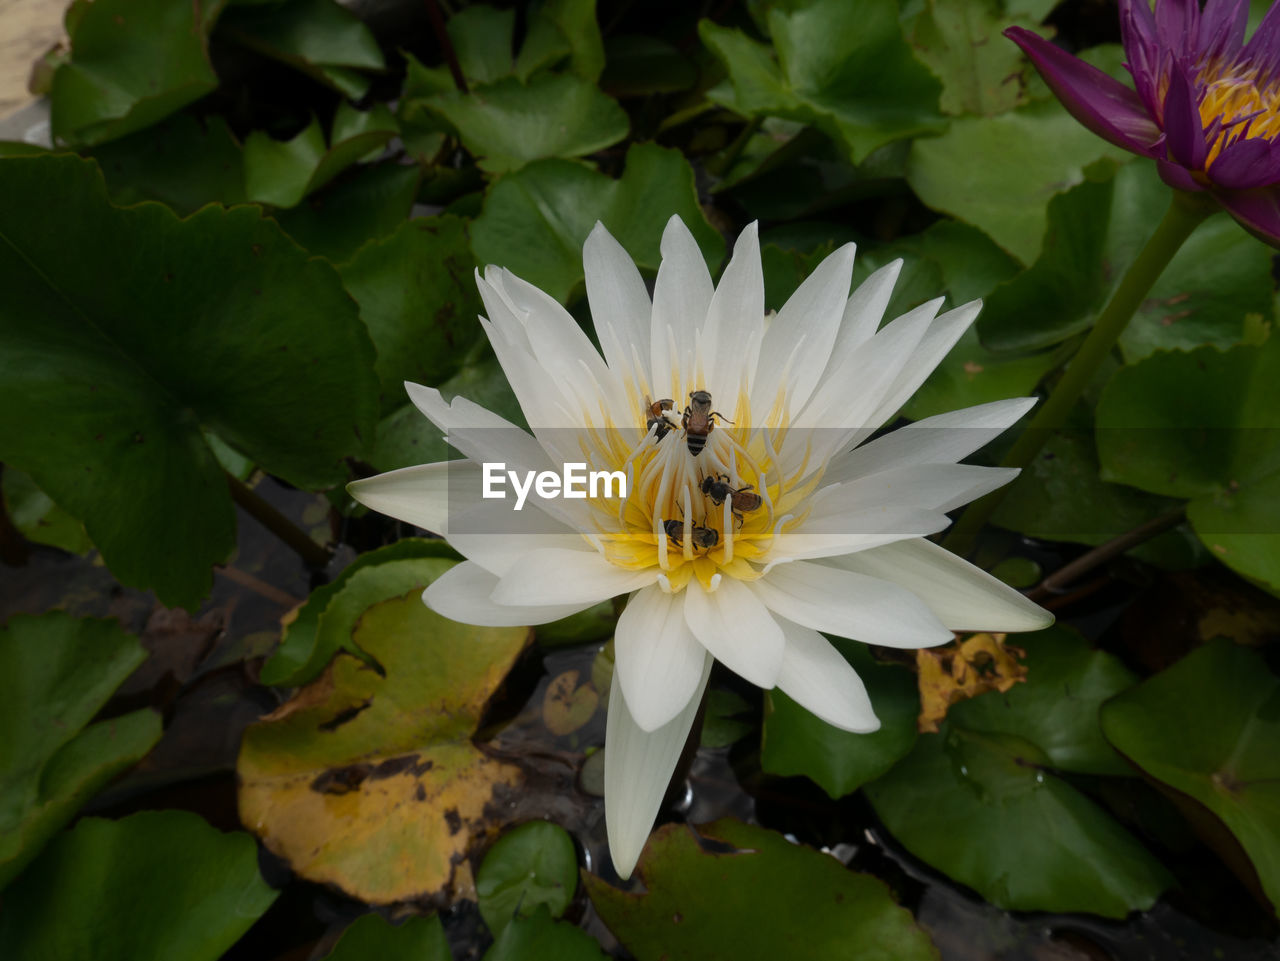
[
  {"x": 831, "y": 538},
  {"x": 1205, "y": 104}
]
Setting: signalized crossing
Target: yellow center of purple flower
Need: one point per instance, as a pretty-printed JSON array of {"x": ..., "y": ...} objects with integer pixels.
[{"x": 1239, "y": 104}]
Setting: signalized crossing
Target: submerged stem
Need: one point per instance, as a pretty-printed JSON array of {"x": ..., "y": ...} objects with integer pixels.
[
  {"x": 1185, "y": 213},
  {"x": 312, "y": 554}
]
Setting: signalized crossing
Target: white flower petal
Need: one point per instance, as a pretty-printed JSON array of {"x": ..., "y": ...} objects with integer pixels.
[
  {"x": 815, "y": 675},
  {"x": 936, "y": 487},
  {"x": 941, "y": 439},
  {"x": 463, "y": 593},
  {"x": 864, "y": 529},
  {"x": 964, "y": 597},
  {"x": 935, "y": 345},
  {"x": 848, "y": 398},
  {"x": 558, "y": 576},
  {"x": 737, "y": 628},
  {"x": 638, "y": 765},
  {"x": 841, "y": 602},
  {"x": 658, "y": 661},
  {"x": 862, "y": 314},
  {"x": 681, "y": 296},
  {"x": 735, "y": 314},
  {"x": 620, "y": 307},
  {"x": 811, "y": 318},
  {"x": 419, "y": 495}
]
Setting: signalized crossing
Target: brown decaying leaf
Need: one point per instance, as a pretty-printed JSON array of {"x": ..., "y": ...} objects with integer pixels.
[
  {"x": 963, "y": 670},
  {"x": 372, "y": 783}
]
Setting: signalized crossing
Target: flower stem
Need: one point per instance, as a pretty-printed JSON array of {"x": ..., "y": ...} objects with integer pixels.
[
  {"x": 1185, "y": 213},
  {"x": 312, "y": 554}
]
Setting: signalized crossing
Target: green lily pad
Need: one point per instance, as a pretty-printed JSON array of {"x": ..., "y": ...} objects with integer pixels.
[
  {"x": 321, "y": 38},
  {"x": 769, "y": 896},
  {"x": 517, "y": 229},
  {"x": 1208, "y": 729},
  {"x": 796, "y": 742},
  {"x": 364, "y": 204},
  {"x": 417, "y": 939},
  {"x": 482, "y": 38},
  {"x": 961, "y": 42},
  {"x": 980, "y": 802},
  {"x": 417, "y": 295},
  {"x": 183, "y": 162},
  {"x": 1202, "y": 425},
  {"x": 508, "y": 124},
  {"x": 55, "y": 673},
  {"x": 305, "y": 648},
  {"x": 532, "y": 866},
  {"x": 39, "y": 519},
  {"x": 114, "y": 891},
  {"x": 723, "y": 723},
  {"x": 1060, "y": 496},
  {"x": 368, "y": 779},
  {"x": 282, "y": 172},
  {"x": 981, "y": 808},
  {"x": 129, "y": 332},
  {"x": 559, "y": 29},
  {"x": 1056, "y": 708},
  {"x": 132, "y": 63},
  {"x": 999, "y": 173},
  {"x": 537, "y": 937},
  {"x": 1218, "y": 279},
  {"x": 842, "y": 67}
]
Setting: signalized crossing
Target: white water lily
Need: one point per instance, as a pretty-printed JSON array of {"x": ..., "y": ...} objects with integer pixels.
[{"x": 835, "y": 544}]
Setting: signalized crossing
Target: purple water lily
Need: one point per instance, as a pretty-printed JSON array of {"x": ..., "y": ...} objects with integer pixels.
[{"x": 1206, "y": 106}]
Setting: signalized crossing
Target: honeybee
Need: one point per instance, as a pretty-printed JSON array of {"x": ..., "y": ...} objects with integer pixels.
[
  {"x": 703, "y": 538},
  {"x": 655, "y": 411},
  {"x": 742, "y": 499},
  {"x": 698, "y": 420}
]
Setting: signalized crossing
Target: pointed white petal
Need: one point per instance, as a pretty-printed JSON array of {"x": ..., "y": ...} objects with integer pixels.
[
  {"x": 681, "y": 296},
  {"x": 737, "y": 628},
  {"x": 464, "y": 594},
  {"x": 620, "y": 307},
  {"x": 935, "y": 487},
  {"x": 735, "y": 314},
  {"x": 638, "y": 765},
  {"x": 863, "y": 312},
  {"x": 558, "y": 576},
  {"x": 864, "y": 529},
  {"x": 964, "y": 597},
  {"x": 658, "y": 661},
  {"x": 420, "y": 495},
  {"x": 811, "y": 317},
  {"x": 815, "y": 675},
  {"x": 840, "y": 602},
  {"x": 934, "y": 346},
  {"x": 942, "y": 439}
]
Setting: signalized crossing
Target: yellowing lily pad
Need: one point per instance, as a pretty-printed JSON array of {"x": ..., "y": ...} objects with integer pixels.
[
  {"x": 372, "y": 783},
  {"x": 958, "y": 672},
  {"x": 568, "y": 705}
]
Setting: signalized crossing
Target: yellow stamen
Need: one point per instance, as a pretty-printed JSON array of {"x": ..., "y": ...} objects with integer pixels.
[{"x": 1241, "y": 101}]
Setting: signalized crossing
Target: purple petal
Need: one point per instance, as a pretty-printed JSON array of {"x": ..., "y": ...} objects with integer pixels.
[
  {"x": 1263, "y": 44},
  {"x": 1178, "y": 26},
  {"x": 1222, "y": 26},
  {"x": 1258, "y": 211},
  {"x": 1179, "y": 178},
  {"x": 1142, "y": 53},
  {"x": 1247, "y": 164},
  {"x": 1182, "y": 126},
  {"x": 1104, "y": 105}
]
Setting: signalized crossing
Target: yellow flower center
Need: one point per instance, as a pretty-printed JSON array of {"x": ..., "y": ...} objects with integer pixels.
[
  {"x": 1239, "y": 104},
  {"x": 697, "y": 509}
]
